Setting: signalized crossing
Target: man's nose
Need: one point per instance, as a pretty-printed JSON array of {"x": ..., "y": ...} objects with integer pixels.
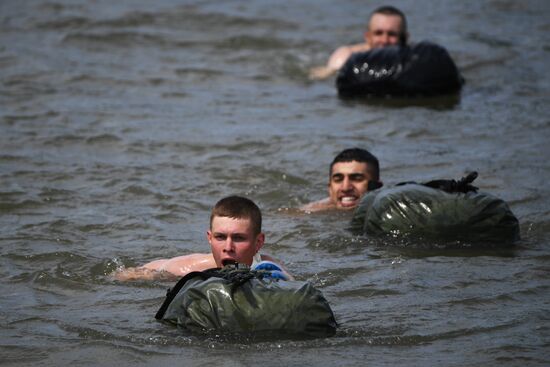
[
  {"x": 346, "y": 184},
  {"x": 228, "y": 244}
]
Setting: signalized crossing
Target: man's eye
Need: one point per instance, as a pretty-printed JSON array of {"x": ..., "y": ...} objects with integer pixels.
[
  {"x": 337, "y": 178},
  {"x": 239, "y": 238},
  {"x": 219, "y": 237},
  {"x": 389, "y": 33},
  {"x": 357, "y": 178}
]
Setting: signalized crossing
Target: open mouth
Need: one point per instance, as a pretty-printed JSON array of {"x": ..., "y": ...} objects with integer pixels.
[
  {"x": 348, "y": 201},
  {"x": 228, "y": 262}
]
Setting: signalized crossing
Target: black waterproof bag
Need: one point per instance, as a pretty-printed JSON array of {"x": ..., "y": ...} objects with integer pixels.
[{"x": 423, "y": 69}]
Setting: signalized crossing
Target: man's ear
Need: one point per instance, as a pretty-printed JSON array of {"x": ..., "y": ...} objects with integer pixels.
[
  {"x": 260, "y": 239},
  {"x": 209, "y": 236},
  {"x": 404, "y": 38},
  {"x": 373, "y": 185},
  {"x": 366, "y": 36}
]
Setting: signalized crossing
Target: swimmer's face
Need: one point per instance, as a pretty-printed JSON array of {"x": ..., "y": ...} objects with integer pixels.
[
  {"x": 233, "y": 240},
  {"x": 384, "y": 30},
  {"x": 348, "y": 183}
]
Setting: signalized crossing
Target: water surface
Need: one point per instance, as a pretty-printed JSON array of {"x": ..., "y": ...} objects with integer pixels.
[{"x": 122, "y": 123}]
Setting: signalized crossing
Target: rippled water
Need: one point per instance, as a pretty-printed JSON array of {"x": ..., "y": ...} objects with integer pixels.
[{"x": 123, "y": 122}]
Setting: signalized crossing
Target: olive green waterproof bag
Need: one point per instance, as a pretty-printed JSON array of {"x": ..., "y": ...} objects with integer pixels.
[
  {"x": 247, "y": 302},
  {"x": 414, "y": 209}
]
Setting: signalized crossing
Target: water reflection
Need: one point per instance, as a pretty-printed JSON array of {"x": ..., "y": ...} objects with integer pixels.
[{"x": 437, "y": 103}]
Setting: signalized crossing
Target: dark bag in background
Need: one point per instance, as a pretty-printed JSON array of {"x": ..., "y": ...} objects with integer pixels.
[
  {"x": 423, "y": 69},
  {"x": 441, "y": 209}
]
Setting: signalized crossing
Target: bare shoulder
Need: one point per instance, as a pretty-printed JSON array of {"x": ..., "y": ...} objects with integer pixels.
[
  {"x": 336, "y": 60},
  {"x": 188, "y": 259},
  {"x": 317, "y": 206},
  {"x": 342, "y": 54},
  {"x": 359, "y": 47},
  {"x": 269, "y": 258},
  {"x": 339, "y": 57},
  {"x": 182, "y": 265}
]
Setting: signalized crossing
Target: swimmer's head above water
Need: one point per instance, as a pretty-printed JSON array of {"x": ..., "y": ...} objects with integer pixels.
[
  {"x": 235, "y": 233},
  {"x": 387, "y": 26},
  {"x": 352, "y": 173},
  {"x": 235, "y": 236}
]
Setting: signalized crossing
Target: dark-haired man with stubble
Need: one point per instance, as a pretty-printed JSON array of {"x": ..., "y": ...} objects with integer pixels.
[
  {"x": 387, "y": 26},
  {"x": 353, "y": 173}
]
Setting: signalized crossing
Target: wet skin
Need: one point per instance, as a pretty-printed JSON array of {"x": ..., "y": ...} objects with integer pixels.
[{"x": 233, "y": 240}]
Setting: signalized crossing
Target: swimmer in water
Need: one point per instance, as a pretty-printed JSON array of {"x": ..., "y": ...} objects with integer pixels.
[
  {"x": 387, "y": 26},
  {"x": 353, "y": 172},
  {"x": 235, "y": 236}
]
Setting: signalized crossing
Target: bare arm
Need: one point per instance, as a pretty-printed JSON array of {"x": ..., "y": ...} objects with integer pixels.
[
  {"x": 141, "y": 273},
  {"x": 317, "y": 206},
  {"x": 336, "y": 61},
  {"x": 168, "y": 268}
]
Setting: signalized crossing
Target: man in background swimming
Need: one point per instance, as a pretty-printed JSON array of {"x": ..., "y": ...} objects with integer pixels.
[
  {"x": 387, "y": 26},
  {"x": 352, "y": 173},
  {"x": 235, "y": 237}
]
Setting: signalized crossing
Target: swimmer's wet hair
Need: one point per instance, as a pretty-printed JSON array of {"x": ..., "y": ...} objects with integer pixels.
[
  {"x": 392, "y": 10},
  {"x": 358, "y": 155},
  {"x": 238, "y": 207}
]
